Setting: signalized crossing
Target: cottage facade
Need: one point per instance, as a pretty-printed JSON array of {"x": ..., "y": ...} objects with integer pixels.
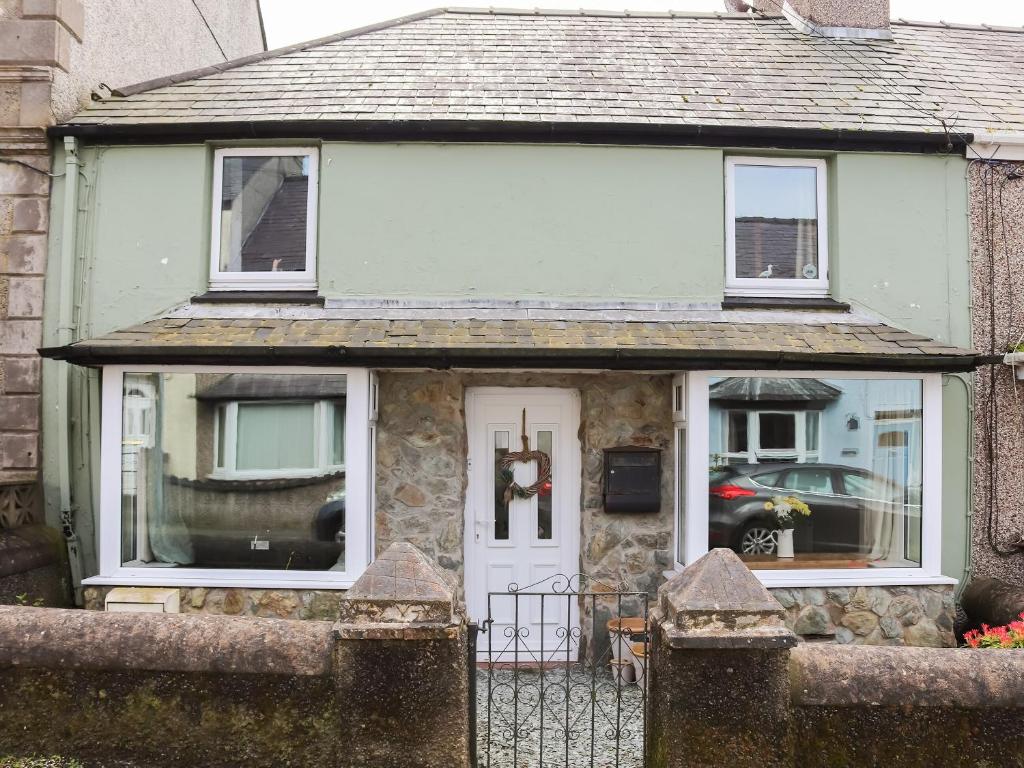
[{"x": 330, "y": 293}]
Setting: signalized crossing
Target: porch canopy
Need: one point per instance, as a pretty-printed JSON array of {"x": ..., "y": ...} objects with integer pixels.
[{"x": 651, "y": 337}]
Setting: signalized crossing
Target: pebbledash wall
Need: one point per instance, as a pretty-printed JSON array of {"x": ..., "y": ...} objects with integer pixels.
[{"x": 997, "y": 262}]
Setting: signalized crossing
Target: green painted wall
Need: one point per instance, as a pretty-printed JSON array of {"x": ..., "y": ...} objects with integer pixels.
[
  {"x": 899, "y": 241},
  {"x": 544, "y": 222},
  {"x": 521, "y": 222}
]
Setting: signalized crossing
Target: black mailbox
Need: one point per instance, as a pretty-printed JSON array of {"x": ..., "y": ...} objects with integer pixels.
[{"x": 632, "y": 479}]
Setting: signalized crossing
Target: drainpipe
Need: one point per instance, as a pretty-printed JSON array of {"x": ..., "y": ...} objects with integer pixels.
[{"x": 65, "y": 335}]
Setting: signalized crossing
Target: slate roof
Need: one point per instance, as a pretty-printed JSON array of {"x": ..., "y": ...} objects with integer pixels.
[
  {"x": 596, "y": 67},
  {"x": 316, "y": 337},
  {"x": 758, "y": 389}
]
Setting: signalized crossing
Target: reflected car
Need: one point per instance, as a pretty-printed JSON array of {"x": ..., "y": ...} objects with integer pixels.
[{"x": 838, "y": 496}]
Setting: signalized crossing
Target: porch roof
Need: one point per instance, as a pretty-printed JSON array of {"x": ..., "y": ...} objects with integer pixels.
[{"x": 618, "y": 340}]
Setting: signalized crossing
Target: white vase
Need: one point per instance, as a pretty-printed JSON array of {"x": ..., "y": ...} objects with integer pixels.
[{"x": 784, "y": 543}]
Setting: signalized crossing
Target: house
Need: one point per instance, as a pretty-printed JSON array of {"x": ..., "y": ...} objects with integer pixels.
[
  {"x": 426, "y": 280},
  {"x": 55, "y": 57}
]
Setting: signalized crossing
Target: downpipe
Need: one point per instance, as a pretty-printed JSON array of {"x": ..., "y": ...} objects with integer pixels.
[{"x": 65, "y": 335}]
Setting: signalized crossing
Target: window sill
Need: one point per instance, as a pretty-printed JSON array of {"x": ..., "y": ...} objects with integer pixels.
[
  {"x": 858, "y": 578},
  {"x": 304, "y": 296},
  {"x": 167, "y": 577},
  {"x": 784, "y": 302}
]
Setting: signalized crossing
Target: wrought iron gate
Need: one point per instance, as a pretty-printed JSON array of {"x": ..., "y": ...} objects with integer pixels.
[{"x": 556, "y": 690}]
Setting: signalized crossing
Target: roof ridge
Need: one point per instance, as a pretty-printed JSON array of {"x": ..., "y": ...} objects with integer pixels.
[
  {"x": 601, "y": 13},
  {"x": 193, "y": 74},
  {"x": 956, "y": 25}
]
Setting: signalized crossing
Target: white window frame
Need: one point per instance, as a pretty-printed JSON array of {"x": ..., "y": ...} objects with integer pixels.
[
  {"x": 264, "y": 281},
  {"x": 323, "y": 418},
  {"x": 358, "y": 491},
  {"x": 698, "y": 459},
  {"x": 771, "y": 286},
  {"x": 755, "y": 454}
]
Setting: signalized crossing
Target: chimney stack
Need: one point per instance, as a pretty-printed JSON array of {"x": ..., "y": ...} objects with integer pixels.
[{"x": 829, "y": 18}]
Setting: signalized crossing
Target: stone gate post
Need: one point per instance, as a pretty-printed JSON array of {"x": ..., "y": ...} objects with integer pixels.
[
  {"x": 719, "y": 688},
  {"x": 401, "y": 654}
]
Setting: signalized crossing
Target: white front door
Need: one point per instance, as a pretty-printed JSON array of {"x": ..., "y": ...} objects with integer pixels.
[{"x": 524, "y": 541}]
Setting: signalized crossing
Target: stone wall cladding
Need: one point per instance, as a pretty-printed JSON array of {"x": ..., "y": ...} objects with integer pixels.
[
  {"x": 318, "y": 605},
  {"x": 997, "y": 260},
  {"x": 421, "y": 466},
  {"x": 913, "y": 616}
]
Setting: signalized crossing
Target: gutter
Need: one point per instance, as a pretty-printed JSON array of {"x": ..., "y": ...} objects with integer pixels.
[
  {"x": 65, "y": 335},
  {"x": 624, "y": 359},
  {"x": 1000, "y": 146},
  {"x": 509, "y": 131}
]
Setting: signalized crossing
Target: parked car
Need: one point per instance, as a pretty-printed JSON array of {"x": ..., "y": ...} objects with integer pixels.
[{"x": 838, "y": 496}]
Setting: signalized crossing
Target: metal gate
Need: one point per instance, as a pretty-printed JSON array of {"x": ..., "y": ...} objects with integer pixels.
[{"x": 553, "y": 692}]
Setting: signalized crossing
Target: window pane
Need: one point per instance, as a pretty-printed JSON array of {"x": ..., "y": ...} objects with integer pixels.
[
  {"x": 274, "y": 436},
  {"x": 776, "y": 221},
  {"x": 681, "y": 495},
  {"x": 178, "y": 509},
  {"x": 337, "y": 434},
  {"x": 863, "y": 486},
  {"x": 737, "y": 432},
  {"x": 502, "y": 478},
  {"x": 263, "y": 214},
  {"x": 778, "y": 431},
  {"x": 544, "y": 496},
  {"x": 812, "y": 425}
]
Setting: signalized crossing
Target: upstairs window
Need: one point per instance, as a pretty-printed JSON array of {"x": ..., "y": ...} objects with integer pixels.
[
  {"x": 776, "y": 230},
  {"x": 264, "y": 219}
]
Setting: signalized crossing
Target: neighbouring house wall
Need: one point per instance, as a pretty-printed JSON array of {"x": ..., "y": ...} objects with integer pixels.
[
  {"x": 52, "y": 56},
  {"x": 997, "y": 262}
]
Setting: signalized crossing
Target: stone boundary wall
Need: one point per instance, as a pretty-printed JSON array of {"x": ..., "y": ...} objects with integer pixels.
[
  {"x": 906, "y": 707},
  {"x": 178, "y": 690},
  {"x": 730, "y": 684}
]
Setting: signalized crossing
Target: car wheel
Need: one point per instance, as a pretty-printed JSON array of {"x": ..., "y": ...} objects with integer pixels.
[{"x": 757, "y": 539}]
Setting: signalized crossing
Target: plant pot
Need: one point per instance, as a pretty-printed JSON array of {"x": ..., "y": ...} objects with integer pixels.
[
  {"x": 784, "y": 543},
  {"x": 639, "y": 653},
  {"x": 623, "y": 671},
  {"x": 1015, "y": 359}
]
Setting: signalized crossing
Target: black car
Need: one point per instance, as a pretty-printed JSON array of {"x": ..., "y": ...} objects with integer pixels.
[{"x": 839, "y": 496}]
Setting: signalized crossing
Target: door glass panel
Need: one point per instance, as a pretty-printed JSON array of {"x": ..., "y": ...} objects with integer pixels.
[
  {"x": 544, "y": 442},
  {"x": 501, "y": 481}
]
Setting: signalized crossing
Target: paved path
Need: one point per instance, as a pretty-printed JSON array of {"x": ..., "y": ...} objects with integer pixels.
[{"x": 598, "y": 711}]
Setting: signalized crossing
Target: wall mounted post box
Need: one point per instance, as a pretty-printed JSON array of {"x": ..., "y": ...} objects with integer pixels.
[{"x": 632, "y": 479}]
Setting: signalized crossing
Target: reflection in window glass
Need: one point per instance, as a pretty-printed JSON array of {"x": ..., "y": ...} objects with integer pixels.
[
  {"x": 501, "y": 481},
  {"x": 863, "y": 485},
  {"x": 544, "y": 496},
  {"x": 680, "y": 494},
  {"x": 263, "y": 213},
  {"x": 777, "y": 431},
  {"x": 776, "y": 222},
  {"x": 231, "y": 471}
]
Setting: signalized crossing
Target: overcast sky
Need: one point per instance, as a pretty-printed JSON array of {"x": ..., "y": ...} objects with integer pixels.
[{"x": 292, "y": 21}]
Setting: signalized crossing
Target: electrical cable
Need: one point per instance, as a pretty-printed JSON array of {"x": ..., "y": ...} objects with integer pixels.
[{"x": 210, "y": 29}]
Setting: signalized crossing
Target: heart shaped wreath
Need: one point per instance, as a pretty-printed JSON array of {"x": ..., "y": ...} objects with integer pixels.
[{"x": 514, "y": 489}]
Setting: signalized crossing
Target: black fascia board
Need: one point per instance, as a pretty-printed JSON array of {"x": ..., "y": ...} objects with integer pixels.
[
  {"x": 442, "y": 359},
  {"x": 505, "y": 131}
]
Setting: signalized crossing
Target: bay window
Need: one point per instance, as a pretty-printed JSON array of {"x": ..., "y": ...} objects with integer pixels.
[
  {"x": 862, "y": 451},
  {"x": 223, "y": 476}
]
